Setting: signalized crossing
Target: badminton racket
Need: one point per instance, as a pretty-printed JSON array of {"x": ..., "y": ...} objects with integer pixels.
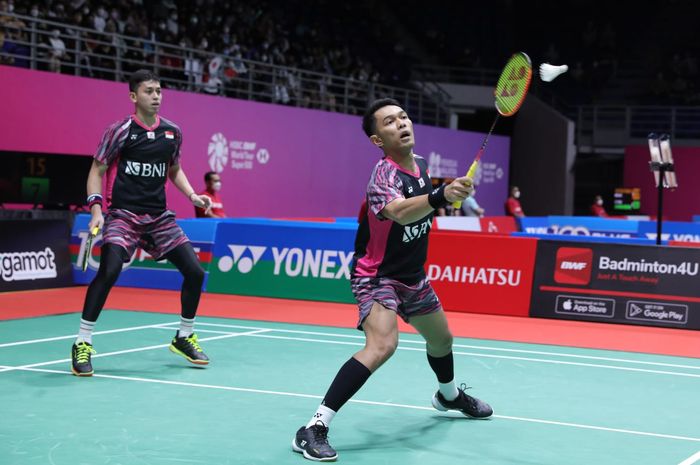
[
  {"x": 510, "y": 93},
  {"x": 88, "y": 247}
]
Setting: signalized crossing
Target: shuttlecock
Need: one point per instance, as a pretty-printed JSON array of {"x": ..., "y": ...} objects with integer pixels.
[{"x": 549, "y": 72}]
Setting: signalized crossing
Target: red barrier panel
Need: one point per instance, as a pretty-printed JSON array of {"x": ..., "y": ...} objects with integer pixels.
[{"x": 478, "y": 273}]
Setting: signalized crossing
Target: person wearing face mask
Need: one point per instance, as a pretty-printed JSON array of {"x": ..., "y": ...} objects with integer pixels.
[
  {"x": 213, "y": 186},
  {"x": 513, "y": 207},
  {"x": 597, "y": 209}
]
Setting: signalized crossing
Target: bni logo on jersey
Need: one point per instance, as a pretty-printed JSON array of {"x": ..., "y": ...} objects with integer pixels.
[
  {"x": 573, "y": 265},
  {"x": 218, "y": 152}
]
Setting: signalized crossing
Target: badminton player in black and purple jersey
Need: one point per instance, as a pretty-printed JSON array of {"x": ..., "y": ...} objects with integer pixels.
[
  {"x": 388, "y": 277},
  {"x": 139, "y": 154}
]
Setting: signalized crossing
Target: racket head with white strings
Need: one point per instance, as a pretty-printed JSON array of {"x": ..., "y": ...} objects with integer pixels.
[
  {"x": 510, "y": 93},
  {"x": 87, "y": 253}
]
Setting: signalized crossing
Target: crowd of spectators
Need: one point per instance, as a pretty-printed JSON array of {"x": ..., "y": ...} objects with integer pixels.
[
  {"x": 360, "y": 42},
  {"x": 233, "y": 36}
]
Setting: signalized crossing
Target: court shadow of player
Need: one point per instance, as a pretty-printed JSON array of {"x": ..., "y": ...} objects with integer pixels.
[
  {"x": 409, "y": 436},
  {"x": 185, "y": 367}
]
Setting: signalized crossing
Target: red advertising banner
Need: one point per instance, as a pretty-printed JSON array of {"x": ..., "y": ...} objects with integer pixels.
[
  {"x": 630, "y": 284},
  {"x": 478, "y": 273}
]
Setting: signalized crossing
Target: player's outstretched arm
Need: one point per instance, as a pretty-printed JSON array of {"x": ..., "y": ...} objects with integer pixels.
[
  {"x": 406, "y": 211},
  {"x": 177, "y": 176}
]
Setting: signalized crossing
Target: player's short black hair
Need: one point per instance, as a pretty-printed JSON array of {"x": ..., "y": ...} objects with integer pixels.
[
  {"x": 369, "y": 123},
  {"x": 208, "y": 175},
  {"x": 139, "y": 76}
]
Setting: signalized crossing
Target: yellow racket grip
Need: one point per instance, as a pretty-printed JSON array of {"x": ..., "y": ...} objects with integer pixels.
[
  {"x": 94, "y": 231},
  {"x": 470, "y": 174}
]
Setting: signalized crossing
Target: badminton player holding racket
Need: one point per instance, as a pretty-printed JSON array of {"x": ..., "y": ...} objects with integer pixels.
[
  {"x": 139, "y": 154},
  {"x": 388, "y": 278}
]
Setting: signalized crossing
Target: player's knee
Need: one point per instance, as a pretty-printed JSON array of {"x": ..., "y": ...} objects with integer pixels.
[
  {"x": 441, "y": 344},
  {"x": 385, "y": 349},
  {"x": 195, "y": 275}
]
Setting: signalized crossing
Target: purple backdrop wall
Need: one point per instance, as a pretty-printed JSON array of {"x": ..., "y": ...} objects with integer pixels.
[{"x": 274, "y": 160}]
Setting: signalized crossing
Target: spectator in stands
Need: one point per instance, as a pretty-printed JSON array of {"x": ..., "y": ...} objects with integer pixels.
[
  {"x": 470, "y": 207},
  {"x": 57, "y": 53},
  {"x": 512, "y": 205},
  {"x": 597, "y": 209},
  {"x": 213, "y": 186}
]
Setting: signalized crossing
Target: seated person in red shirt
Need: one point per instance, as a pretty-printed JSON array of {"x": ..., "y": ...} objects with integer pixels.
[
  {"x": 597, "y": 209},
  {"x": 213, "y": 183},
  {"x": 512, "y": 205}
]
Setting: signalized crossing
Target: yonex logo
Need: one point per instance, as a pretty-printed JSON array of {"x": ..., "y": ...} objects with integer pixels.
[
  {"x": 573, "y": 265},
  {"x": 218, "y": 152},
  {"x": 244, "y": 264},
  {"x": 291, "y": 262},
  {"x": 147, "y": 170}
]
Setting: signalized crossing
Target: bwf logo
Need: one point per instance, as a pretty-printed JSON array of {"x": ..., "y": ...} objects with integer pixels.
[
  {"x": 573, "y": 265},
  {"x": 244, "y": 264}
]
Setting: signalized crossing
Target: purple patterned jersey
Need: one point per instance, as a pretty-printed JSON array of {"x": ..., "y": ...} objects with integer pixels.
[
  {"x": 139, "y": 158},
  {"x": 384, "y": 248}
]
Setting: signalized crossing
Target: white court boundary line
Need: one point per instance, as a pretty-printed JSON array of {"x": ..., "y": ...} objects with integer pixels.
[
  {"x": 474, "y": 354},
  {"x": 129, "y": 351},
  {"x": 256, "y": 330},
  {"x": 72, "y": 336},
  {"x": 348, "y": 336},
  {"x": 365, "y": 402},
  {"x": 465, "y": 346},
  {"x": 691, "y": 460}
]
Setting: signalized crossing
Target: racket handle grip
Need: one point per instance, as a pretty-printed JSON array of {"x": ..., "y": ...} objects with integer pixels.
[
  {"x": 470, "y": 174},
  {"x": 94, "y": 231}
]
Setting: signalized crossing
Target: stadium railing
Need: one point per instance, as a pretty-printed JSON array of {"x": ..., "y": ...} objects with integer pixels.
[{"x": 112, "y": 56}]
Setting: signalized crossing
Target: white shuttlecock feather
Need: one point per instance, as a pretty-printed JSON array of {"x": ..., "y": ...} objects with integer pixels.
[{"x": 549, "y": 72}]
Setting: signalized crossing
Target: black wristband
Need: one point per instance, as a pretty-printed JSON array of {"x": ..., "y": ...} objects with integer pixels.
[{"x": 436, "y": 198}]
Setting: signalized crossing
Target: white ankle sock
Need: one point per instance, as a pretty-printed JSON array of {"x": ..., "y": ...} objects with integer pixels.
[
  {"x": 186, "y": 327},
  {"x": 85, "y": 331},
  {"x": 449, "y": 390},
  {"x": 323, "y": 414}
]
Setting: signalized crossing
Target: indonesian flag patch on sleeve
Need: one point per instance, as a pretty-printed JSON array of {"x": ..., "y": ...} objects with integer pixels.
[{"x": 169, "y": 135}]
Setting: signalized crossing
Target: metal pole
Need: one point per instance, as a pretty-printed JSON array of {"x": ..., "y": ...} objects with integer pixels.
[{"x": 660, "y": 205}]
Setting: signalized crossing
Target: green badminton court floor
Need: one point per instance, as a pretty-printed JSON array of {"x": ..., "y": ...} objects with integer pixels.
[{"x": 145, "y": 406}]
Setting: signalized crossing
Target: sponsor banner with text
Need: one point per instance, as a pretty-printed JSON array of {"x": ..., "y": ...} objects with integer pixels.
[
  {"x": 34, "y": 254},
  {"x": 482, "y": 273},
  {"x": 296, "y": 260},
  {"x": 141, "y": 270},
  {"x": 643, "y": 285}
]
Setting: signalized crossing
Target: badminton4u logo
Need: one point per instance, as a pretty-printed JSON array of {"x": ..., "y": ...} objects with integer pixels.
[
  {"x": 21, "y": 266},
  {"x": 573, "y": 265},
  {"x": 290, "y": 261}
]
